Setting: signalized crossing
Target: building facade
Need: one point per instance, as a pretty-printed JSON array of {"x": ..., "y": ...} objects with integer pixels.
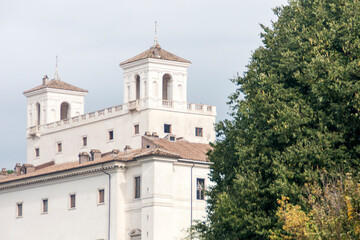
[{"x": 133, "y": 171}]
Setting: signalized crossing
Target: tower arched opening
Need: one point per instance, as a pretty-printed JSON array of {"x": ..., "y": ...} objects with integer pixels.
[
  {"x": 137, "y": 77},
  {"x": 38, "y": 113},
  {"x": 166, "y": 84},
  {"x": 64, "y": 110}
]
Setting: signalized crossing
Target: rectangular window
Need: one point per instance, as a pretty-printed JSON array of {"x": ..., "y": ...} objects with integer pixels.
[
  {"x": 84, "y": 141},
  {"x": 72, "y": 201},
  {"x": 101, "y": 196},
  {"x": 198, "y": 132},
  {"x": 45, "y": 205},
  {"x": 167, "y": 128},
  {"x": 19, "y": 211},
  {"x": 137, "y": 187},
  {"x": 136, "y": 129},
  {"x": 59, "y": 147},
  {"x": 37, "y": 152},
  {"x": 200, "y": 188},
  {"x": 111, "y": 135}
]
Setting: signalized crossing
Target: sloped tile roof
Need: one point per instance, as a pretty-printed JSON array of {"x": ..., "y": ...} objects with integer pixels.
[
  {"x": 178, "y": 149},
  {"x": 158, "y": 53},
  {"x": 185, "y": 149},
  {"x": 57, "y": 84}
]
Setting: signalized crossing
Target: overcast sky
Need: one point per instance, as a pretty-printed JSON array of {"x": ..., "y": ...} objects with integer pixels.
[{"x": 91, "y": 38}]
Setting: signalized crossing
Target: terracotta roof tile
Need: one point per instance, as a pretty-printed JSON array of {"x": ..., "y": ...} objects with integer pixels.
[
  {"x": 158, "y": 53},
  {"x": 185, "y": 149},
  {"x": 57, "y": 84},
  {"x": 179, "y": 149}
]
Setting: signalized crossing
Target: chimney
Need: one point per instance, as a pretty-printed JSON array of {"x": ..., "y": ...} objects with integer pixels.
[
  {"x": 127, "y": 148},
  {"x": 45, "y": 80},
  {"x": 3, "y": 172},
  {"x": 155, "y": 135},
  {"x": 148, "y": 134},
  {"x": 84, "y": 157},
  {"x": 28, "y": 168},
  {"x": 17, "y": 169},
  {"x": 95, "y": 154}
]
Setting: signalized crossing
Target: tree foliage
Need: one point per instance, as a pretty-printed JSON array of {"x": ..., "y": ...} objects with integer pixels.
[
  {"x": 334, "y": 212},
  {"x": 299, "y": 112}
]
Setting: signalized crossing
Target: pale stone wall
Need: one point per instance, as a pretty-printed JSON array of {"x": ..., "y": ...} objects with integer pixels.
[{"x": 162, "y": 212}]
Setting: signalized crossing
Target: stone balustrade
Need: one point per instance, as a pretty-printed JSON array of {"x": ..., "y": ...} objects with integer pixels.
[{"x": 123, "y": 109}]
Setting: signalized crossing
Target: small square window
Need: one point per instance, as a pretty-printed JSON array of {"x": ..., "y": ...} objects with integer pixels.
[
  {"x": 72, "y": 200},
  {"x": 19, "y": 209},
  {"x": 59, "y": 147},
  {"x": 111, "y": 135},
  {"x": 101, "y": 196},
  {"x": 167, "y": 128},
  {"x": 137, "y": 187},
  {"x": 136, "y": 129},
  {"x": 45, "y": 203},
  {"x": 84, "y": 141},
  {"x": 200, "y": 188},
  {"x": 198, "y": 132},
  {"x": 37, "y": 152}
]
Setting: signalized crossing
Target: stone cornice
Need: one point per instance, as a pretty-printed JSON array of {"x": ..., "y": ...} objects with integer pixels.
[{"x": 47, "y": 177}]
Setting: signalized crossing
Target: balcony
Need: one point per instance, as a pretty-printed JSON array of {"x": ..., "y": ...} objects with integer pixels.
[{"x": 134, "y": 105}]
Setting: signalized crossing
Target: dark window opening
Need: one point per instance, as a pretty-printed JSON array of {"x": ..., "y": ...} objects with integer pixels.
[
  {"x": 45, "y": 206},
  {"x": 200, "y": 188},
  {"x": 167, "y": 128},
  {"x": 19, "y": 209},
  {"x": 37, "y": 152},
  {"x": 136, "y": 129},
  {"x": 59, "y": 147},
  {"x": 84, "y": 141},
  {"x": 72, "y": 201},
  {"x": 198, "y": 132},
  {"x": 137, "y": 187},
  {"x": 101, "y": 196},
  {"x": 111, "y": 135}
]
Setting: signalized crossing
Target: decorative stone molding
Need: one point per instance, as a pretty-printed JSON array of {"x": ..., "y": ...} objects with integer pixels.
[{"x": 56, "y": 176}]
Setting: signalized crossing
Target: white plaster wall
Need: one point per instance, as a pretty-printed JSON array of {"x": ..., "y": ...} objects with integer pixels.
[
  {"x": 153, "y": 120},
  {"x": 97, "y": 134},
  {"x": 183, "y": 124},
  {"x": 89, "y": 220},
  {"x": 164, "y": 210},
  {"x": 50, "y": 101}
]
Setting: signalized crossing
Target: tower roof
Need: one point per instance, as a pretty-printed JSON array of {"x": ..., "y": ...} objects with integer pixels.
[
  {"x": 57, "y": 84},
  {"x": 156, "y": 52}
]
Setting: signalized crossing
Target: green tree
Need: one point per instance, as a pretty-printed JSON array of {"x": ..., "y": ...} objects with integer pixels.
[{"x": 299, "y": 113}]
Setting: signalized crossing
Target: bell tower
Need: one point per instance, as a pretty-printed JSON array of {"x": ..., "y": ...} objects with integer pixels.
[
  {"x": 52, "y": 101},
  {"x": 156, "y": 75}
]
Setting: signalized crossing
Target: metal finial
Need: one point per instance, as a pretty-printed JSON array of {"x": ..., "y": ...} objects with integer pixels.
[
  {"x": 155, "y": 37},
  {"x": 56, "y": 77}
]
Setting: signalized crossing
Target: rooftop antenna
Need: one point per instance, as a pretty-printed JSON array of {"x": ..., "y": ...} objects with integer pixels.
[
  {"x": 56, "y": 77},
  {"x": 155, "y": 37}
]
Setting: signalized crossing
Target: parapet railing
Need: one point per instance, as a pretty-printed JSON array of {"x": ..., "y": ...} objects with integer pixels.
[{"x": 125, "y": 108}]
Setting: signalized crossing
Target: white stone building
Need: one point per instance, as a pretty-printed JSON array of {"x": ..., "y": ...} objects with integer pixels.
[{"x": 132, "y": 171}]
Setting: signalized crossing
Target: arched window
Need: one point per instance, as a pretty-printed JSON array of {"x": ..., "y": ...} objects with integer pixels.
[
  {"x": 137, "y": 77},
  {"x": 38, "y": 113},
  {"x": 64, "y": 111},
  {"x": 166, "y": 87}
]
